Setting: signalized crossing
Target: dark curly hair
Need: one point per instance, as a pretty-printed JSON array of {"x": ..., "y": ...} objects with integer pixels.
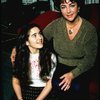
[{"x": 58, "y": 2}]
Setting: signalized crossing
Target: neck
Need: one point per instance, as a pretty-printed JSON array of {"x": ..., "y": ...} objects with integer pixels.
[
  {"x": 33, "y": 51},
  {"x": 72, "y": 25}
]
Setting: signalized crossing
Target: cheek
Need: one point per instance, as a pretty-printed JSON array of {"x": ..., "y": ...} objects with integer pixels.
[
  {"x": 32, "y": 41},
  {"x": 76, "y": 10},
  {"x": 63, "y": 12}
]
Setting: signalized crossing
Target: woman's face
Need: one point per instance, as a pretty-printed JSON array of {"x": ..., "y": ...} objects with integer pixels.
[
  {"x": 69, "y": 10},
  {"x": 35, "y": 40}
]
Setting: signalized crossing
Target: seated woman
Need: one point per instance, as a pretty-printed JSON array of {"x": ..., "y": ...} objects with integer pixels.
[{"x": 34, "y": 64}]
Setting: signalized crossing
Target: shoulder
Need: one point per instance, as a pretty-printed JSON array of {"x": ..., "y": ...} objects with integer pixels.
[
  {"x": 89, "y": 30},
  {"x": 53, "y": 23},
  {"x": 88, "y": 24}
]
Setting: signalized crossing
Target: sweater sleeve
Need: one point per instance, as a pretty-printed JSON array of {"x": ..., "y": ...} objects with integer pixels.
[{"x": 90, "y": 48}]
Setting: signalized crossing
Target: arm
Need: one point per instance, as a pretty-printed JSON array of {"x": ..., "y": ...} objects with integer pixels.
[
  {"x": 45, "y": 91},
  {"x": 48, "y": 86},
  {"x": 17, "y": 88},
  {"x": 90, "y": 49}
]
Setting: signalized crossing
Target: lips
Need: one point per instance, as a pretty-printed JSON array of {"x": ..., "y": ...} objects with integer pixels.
[
  {"x": 40, "y": 42},
  {"x": 69, "y": 16}
]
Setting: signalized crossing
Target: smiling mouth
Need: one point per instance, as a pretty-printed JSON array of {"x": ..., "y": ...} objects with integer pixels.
[
  {"x": 69, "y": 15},
  {"x": 39, "y": 43}
]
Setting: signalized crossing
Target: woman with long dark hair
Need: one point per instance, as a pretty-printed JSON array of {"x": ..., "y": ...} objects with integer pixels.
[{"x": 34, "y": 63}]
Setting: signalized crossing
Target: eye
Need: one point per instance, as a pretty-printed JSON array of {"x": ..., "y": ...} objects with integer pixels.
[
  {"x": 72, "y": 5},
  {"x": 33, "y": 35},
  {"x": 62, "y": 7}
]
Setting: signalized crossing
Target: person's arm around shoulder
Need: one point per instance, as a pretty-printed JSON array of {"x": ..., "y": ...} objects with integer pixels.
[
  {"x": 45, "y": 91},
  {"x": 13, "y": 55},
  {"x": 17, "y": 87}
]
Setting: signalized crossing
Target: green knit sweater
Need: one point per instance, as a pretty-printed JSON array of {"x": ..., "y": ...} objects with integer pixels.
[{"x": 80, "y": 52}]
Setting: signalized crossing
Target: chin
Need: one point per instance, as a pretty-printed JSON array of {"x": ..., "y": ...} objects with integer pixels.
[
  {"x": 70, "y": 18},
  {"x": 40, "y": 46}
]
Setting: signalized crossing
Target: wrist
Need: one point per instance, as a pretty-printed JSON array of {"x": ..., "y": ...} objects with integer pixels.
[{"x": 20, "y": 99}]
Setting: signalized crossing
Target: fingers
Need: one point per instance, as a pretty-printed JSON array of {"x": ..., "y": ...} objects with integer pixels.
[
  {"x": 65, "y": 83},
  {"x": 12, "y": 58},
  {"x": 62, "y": 82},
  {"x": 13, "y": 55},
  {"x": 62, "y": 77},
  {"x": 65, "y": 87}
]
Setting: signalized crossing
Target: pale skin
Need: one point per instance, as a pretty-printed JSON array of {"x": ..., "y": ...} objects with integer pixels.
[
  {"x": 17, "y": 88},
  {"x": 69, "y": 11}
]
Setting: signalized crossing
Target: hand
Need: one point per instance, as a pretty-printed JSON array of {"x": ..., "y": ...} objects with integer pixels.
[
  {"x": 20, "y": 99},
  {"x": 13, "y": 55},
  {"x": 66, "y": 81}
]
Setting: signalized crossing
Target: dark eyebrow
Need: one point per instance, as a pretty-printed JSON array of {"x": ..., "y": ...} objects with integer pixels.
[
  {"x": 36, "y": 33},
  {"x": 33, "y": 34}
]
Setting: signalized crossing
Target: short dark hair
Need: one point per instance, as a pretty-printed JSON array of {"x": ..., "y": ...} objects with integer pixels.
[
  {"x": 58, "y": 2},
  {"x": 79, "y": 2}
]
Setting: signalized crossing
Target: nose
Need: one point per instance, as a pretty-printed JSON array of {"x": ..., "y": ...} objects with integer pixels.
[
  {"x": 39, "y": 36},
  {"x": 68, "y": 9}
]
